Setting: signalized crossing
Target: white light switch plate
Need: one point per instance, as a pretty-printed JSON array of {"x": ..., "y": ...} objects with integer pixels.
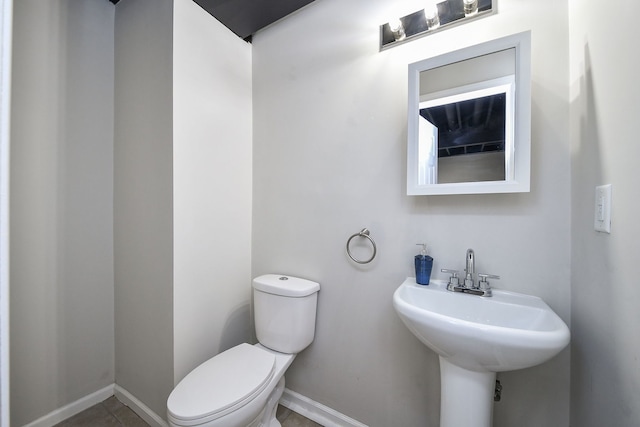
[{"x": 602, "y": 216}]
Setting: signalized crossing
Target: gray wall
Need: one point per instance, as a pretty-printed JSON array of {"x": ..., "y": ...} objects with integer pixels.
[
  {"x": 62, "y": 332},
  {"x": 329, "y": 150},
  {"x": 605, "y": 386},
  {"x": 149, "y": 224},
  {"x": 143, "y": 186}
]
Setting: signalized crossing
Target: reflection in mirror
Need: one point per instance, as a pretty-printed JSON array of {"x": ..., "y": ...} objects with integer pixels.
[
  {"x": 466, "y": 134},
  {"x": 469, "y": 120}
]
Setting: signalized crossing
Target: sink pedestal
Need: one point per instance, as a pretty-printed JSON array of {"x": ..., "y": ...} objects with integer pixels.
[{"x": 466, "y": 397}]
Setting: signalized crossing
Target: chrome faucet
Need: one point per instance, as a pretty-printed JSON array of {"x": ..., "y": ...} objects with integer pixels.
[
  {"x": 482, "y": 288},
  {"x": 469, "y": 281}
]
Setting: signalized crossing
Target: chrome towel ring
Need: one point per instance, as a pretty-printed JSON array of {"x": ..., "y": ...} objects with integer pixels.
[{"x": 363, "y": 233}]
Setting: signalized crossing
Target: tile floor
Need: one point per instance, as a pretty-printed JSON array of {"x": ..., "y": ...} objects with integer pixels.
[
  {"x": 288, "y": 418},
  {"x": 112, "y": 412}
]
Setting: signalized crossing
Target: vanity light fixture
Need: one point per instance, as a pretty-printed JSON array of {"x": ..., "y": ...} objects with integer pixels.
[{"x": 434, "y": 17}]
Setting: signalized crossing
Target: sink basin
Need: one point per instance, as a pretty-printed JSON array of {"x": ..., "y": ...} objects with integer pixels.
[{"x": 504, "y": 332}]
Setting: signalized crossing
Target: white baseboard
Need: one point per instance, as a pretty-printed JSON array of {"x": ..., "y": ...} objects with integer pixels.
[
  {"x": 295, "y": 401},
  {"x": 316, "y": 411},
  {"x": 73, "y": 408},
  {"x": 101, "y": 395},
  {"x": 139, "y": 408}
]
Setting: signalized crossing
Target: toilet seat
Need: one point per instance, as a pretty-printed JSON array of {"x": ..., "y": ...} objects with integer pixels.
[{"x": 221, "y": 385}]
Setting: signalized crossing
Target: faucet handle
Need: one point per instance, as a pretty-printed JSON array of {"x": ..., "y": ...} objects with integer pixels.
[
  {"x": 454, "y": 280},
  {"x": 484, "y": 283}
]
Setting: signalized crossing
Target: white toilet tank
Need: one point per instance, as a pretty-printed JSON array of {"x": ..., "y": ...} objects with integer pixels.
[{"x": 285, "y": 312}]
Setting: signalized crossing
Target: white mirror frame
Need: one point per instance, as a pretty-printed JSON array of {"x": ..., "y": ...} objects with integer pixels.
[{"x": 517, "y": 181}]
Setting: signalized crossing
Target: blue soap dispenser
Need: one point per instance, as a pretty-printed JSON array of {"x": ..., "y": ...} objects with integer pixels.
[{"x": 424, "y": 264}]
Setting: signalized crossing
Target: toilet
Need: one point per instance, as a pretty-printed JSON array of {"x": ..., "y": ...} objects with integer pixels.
[{"x": 241, "y": 387}]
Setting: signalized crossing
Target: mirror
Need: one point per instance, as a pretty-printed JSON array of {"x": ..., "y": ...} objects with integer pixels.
[{"x": 469, "y": 120}]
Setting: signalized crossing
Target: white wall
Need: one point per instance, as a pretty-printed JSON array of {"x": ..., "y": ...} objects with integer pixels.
[
  {"x": 61, "y": 207},
  {"x": 143, "y": 219},
  {"x": 6, "y": 32},
  {"x": 605, "y": 387},
  {"x": 212, "y": 187},
  {"x": 329, "y": 150}
]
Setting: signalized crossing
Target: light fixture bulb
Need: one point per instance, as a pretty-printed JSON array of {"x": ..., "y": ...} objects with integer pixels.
[
  {"x": 470, "y": 7},
  {"x": 397, "y": 28},
  {"x": 432, "y": 17}
]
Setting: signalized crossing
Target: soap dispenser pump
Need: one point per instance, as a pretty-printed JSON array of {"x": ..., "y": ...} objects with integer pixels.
[{"x": 423, "y": 264}]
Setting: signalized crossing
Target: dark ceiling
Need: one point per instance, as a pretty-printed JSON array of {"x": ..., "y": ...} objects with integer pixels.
[
  {"x": 472, "y": 126},
  {"x": 245, "y": 17}
]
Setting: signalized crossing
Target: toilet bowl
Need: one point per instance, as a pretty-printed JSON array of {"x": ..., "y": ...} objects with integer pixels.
[{"x": 241, "y": 387}]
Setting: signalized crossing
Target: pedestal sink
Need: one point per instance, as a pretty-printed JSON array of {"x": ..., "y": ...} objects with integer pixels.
[{"x": 476, "y": 337}]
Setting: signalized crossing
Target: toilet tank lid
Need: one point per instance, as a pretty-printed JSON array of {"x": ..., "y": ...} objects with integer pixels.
[{"x": 288, "y": 286}]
